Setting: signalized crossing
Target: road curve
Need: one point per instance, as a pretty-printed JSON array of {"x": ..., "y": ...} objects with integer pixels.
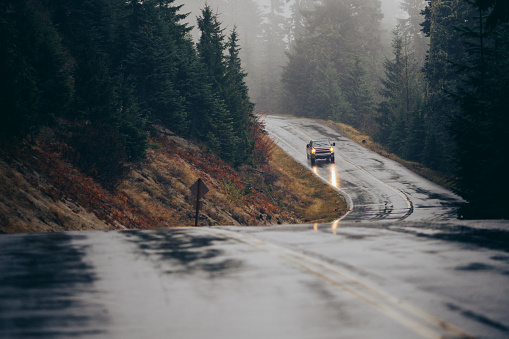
[
  {"x": 348, "y": 280},
  {"x": 393, "y": 279},
  {"x": 376, "y": 188}
]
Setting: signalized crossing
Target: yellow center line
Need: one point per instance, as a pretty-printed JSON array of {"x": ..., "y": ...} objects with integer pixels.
[
  {"x": 393, "y": 300},
  {"x": 421, "y": 322}
]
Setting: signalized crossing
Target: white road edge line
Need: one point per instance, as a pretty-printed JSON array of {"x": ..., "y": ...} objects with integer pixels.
[{"x": 410, "y": 206}]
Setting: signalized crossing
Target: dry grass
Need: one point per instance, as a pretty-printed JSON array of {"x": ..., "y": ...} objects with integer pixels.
[
  {"x": 311, "y": 198},
  {"x": 41, "y": 191},
  {"x": 26, "y": 206},
  {"x": 366, "y": 141}
]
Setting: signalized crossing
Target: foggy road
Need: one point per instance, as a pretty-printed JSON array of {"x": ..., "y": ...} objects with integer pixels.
[
  {"x": 102, "y": 105},
  {"x": 375, "y": 187},
  {"x": 417, "y": 273}
]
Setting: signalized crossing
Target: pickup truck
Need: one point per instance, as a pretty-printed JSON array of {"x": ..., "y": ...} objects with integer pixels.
[{"x": 320, "y": 149}]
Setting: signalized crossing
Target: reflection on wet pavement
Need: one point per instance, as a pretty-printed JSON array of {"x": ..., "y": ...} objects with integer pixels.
[
  {"x": 333, "y": 179},
  {"x": 47, "y": 289},
  {"x": 334, "y": 226},
  {"x": 185, "y": 253},
  {"x": 479, "y": 318},
  {"x": 492, "y": 239},
  {"x": 375, "y": 188}
]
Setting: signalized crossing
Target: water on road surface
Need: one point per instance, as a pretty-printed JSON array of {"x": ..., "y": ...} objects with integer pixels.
[
  {"x": 399, "y": 265},
  {"x": 376, "y": 188},
  {"x": 348, "y": 280}
]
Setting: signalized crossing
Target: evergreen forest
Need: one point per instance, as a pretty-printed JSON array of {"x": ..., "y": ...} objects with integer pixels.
[
  {"x": 101, "y": 73},
  {"x": 433, "y": 88},
  {"x": 440, "y": 97}
]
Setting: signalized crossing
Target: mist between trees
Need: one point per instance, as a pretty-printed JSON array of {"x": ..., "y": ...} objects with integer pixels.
[{"x": 432, "y": 89}]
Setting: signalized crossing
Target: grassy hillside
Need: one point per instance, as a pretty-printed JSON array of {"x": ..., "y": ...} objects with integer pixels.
[{"x": 41, "y": 191}]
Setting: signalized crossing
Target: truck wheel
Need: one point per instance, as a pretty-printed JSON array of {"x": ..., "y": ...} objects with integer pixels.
[
  {"x": 332, "y": 159},
  {"x": 312, "y": 161}
]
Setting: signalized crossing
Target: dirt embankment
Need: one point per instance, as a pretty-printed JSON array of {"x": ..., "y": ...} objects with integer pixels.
[{"x": 40, "y": 191}]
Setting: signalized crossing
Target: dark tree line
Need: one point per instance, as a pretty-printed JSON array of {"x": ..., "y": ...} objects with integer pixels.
[
  {"x": 441, "y": 98},
  {"x": 482, "y": 97},
  {"x": 105, "y": 71},
  {"x": 465, "y": 107}
]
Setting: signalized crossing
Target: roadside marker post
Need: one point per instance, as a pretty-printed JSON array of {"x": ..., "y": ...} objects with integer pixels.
[{"x": 199, "y": 189}]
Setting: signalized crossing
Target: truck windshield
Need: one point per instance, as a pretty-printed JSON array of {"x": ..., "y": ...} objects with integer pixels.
[{"x": 321, "y": 144}]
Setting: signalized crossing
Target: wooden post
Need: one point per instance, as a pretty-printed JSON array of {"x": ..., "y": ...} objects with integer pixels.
[
  {"x": 197, "y": 202},
  {"x": 199, "y": 189}
]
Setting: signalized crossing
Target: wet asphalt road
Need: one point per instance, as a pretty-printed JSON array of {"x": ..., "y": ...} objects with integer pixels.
[
  {"x": 408, "y": 272},
  {"x": 376, "y": 188},
  {"x": 345, "y": 280}
]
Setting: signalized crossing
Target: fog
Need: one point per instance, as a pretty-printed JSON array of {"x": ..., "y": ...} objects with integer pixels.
[
  {"x": 262, "y": 58},
  {"x": 232, "y": 12}
]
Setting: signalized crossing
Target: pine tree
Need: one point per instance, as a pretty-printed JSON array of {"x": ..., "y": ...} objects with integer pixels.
[
  {"x": 336, "y": 35},
  {"x": 35, "y": 86},
  {"x": 211, "y": 47},
  {"x": 413, "y": 148},
  {"x": 297, "y": 23},
  {"x": 274, "y": 33},
  {"x": 237, "y": 100},
  {"x": 152, "y": 57},
  {"x": 358, "y": 94},
  {"x": 217, "y": 124},
  {"x": 326, "y": 98},
  {"x": 392, "y": 109},
  {"x": 445, "y": 50},
  {"x": 109, "y": 124},
  {"x": 401, "y": 95},
  {"x": 480, "y": 128},
  {"x": 109, "y": 68},
  {"x": 412, "y": 27},
  {"x": 432, "y": 153}
]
